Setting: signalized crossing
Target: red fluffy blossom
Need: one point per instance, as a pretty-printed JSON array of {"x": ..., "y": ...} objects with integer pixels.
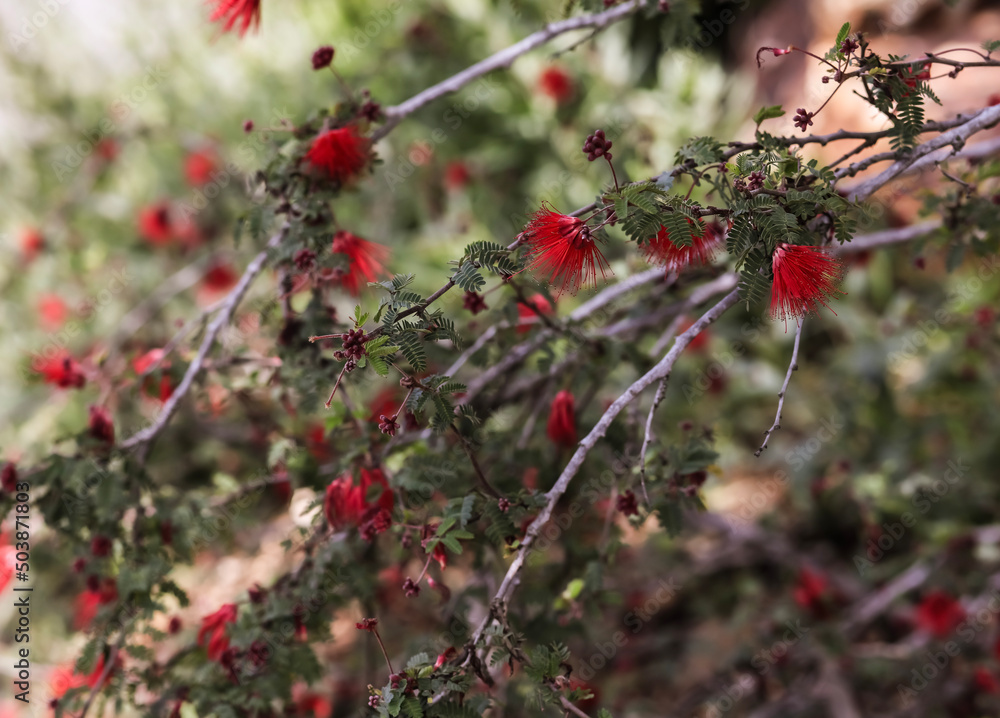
[
  {"x": 554, "y": 82},
  {"x": 562, "y": 247},
  {"x": 32, "y": 242},
  {"x": 939, "y": 614},
  {"x": 804, "y": 277},
  {"x": 340, "y": 154},
  {"x": 63, "y": 371},
  {"x": 366, "y": 259},
  {"x": 562, "y": 420},
  {"x": 231, "y": 12},
  {"x": 346, "y": 503},
  {"x": 993, "y": 100},
  {"x": 810, "y": 591},
  {"x": 704, "y": 244},
  {"x": 213, "y": 627},
  {"x": 52, "y": 311},
  {"x": 528, "y": 315},
  {"x": 367, "y": 624},
  {"x": 155, "y": 223},
  {"x": 199, "y": 166},
  {"x": 456, "y": 175},
  {"x": 101, "y": 426}
]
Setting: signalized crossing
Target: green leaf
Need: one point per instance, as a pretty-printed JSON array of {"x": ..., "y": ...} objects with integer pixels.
[
  {"x": 991, "y": 46},
  {"x": 768, "y": 113},
  {"x": 845, "y": 30},
  {"x": 420, "y": 659}
]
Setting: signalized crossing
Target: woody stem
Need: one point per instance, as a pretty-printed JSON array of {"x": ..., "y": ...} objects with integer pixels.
[
  {"x": 382, "y": 646},
  {"x": 617, "y": 189}
]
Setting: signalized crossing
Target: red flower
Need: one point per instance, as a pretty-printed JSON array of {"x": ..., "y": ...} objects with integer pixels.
[
  {"x": 700, "y": 340},
  {"x": 555, "y": 83},
  {"x": 199, "y": 166},
  {"x": 984, "y": 681},
  {"x": 984, "y": 316},
  {"x": 810, "y": 591},
  {"x": 993, "y": 100},
  {"x": 155, "y": 224},
  {"x": 52, "y": 311},
  {"x": 214, "y": 626},
  {"x": 562, "y": 422},
  {"x": 94, "y": 676},
  {"x": 8, "y": 558},
  {"x": 923, "y": 74},
  {"x": 804, "y": 277},
  {"x": 445, "y": 657},
  {"x": 220, "y": 278},
  {"x": 107, "y": 149},
  {"x": 365, "y": 258},
  {"x": 316, "y": 442},
  {"x": 340, "y": 153},
  {"x": 63, "y": 371},
  {"x": 141, "y": 363},
  {"x": 100, "y": 546},
  {"x": 32, "y": 242},
  {"x": 528, "y": 317},
  {"x": 313, "y": 705},
  {"x": 8, "y": 478},
  {"x": 101, "y": 426},
  {"x": 939, "y": 614},
  {"x": 704, "y": 244},
  {"x": 88, "y": 602},
  {"x": 562, "y": 247},
  {"x": 456, "y": 176},
  {"x": 246, "y": 12},
  {"x": 346, "y": 503}
]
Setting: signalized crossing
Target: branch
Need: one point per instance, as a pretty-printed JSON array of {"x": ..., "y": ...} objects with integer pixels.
[
  {"x": 955, "y": 137},
  {"x": 660, "y": 392},
  {"x": 109, "y": 665},
  {"x": 874, "y": 240},
  {"x": 793, "y": 365},
  {"x": 503, "y": 58},
  {"x": 658, "y": 372},
  {"x": 146, "y": 436}
]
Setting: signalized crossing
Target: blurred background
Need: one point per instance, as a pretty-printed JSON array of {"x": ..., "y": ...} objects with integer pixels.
[{"x": 125, "y": 170}]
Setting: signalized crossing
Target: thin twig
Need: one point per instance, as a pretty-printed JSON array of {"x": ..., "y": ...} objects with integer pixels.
[
  {"x": 661, "y": 370},
  {"x": 660, "y": 393},
  {"x": 109, "y": 665},
  {"x": 475, "y": 465},
  {"x": 503, "y": 58},
  {"x": 793, "y": 365},
  {"x": 146, "y": 436}
]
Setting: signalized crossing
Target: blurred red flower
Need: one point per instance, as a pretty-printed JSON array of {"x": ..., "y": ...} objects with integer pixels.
[
  {"x": 939, "y": 614},
  {"x": 218, "y": 280},
  {"x": 562, "y": 420},
  {"x": 810, "y": 591},
  {"x": 52, "y": 311},
  {"x": 346, "y": 503},
  {"x": 456, "y": 175},
  {"x": 90, "y": 600},
  {"x": 554, "y": 82},
  {"x": 213, "y": 626},
  {"x": 984, "y": 681},
  {"x": 155, "y": 224},
  {"x": 366, "y": 260},
  {"x": 32, "y": 242},
  {"x": 229, "y": 12},
  {"x": 62, "y": 370},
  {"x": 101, "y": 426},
  {"x": 528, "y": 316},
  {"x": 199, "y": 166},
  {"x": 340, "y": 153}
]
